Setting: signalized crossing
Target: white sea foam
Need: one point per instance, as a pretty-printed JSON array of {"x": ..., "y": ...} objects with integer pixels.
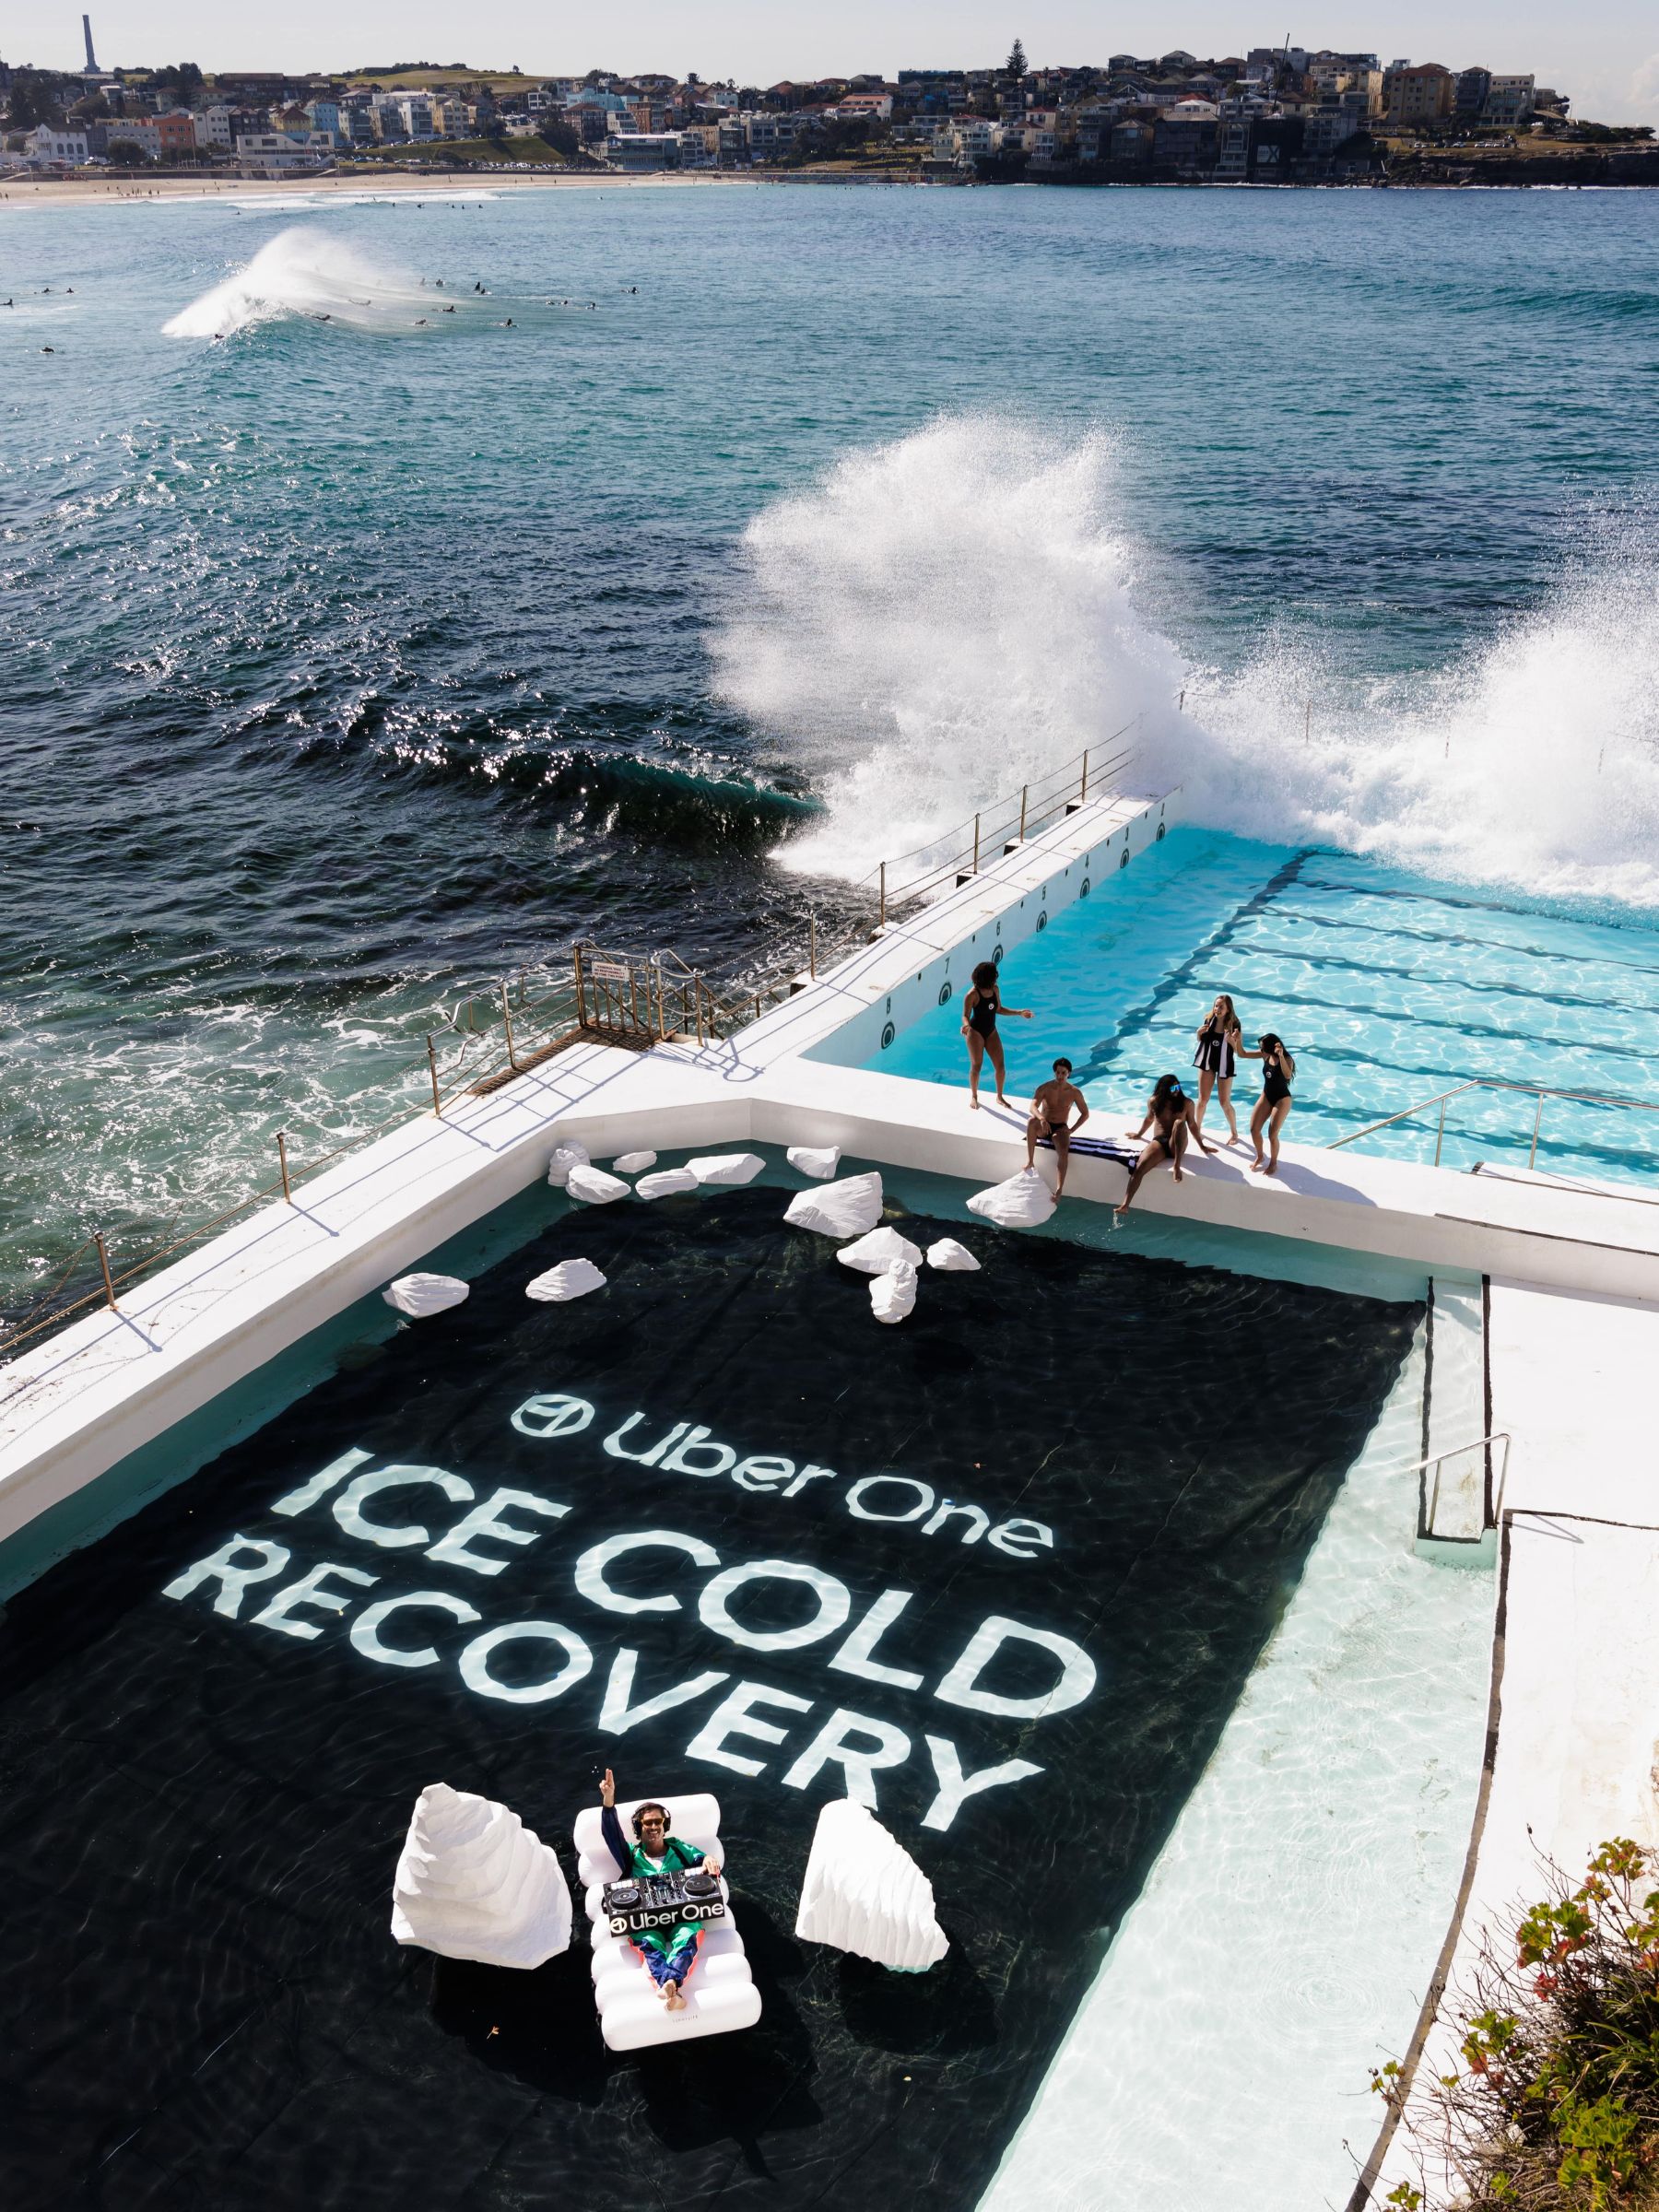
[
  {"x": 303, "y": 271},
  {"x": 940, "y": 618}
]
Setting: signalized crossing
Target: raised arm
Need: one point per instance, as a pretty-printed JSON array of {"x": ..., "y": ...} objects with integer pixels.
[{"x": 615, "y": 1842}]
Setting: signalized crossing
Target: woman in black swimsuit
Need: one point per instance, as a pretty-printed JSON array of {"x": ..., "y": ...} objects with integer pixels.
[
  {"x": 1218, "y": 1041},
  {"x": 980, "y": 1010},
  {"x": 1278, "y": 1072},
  {"x": 1171, "y": 1118}
]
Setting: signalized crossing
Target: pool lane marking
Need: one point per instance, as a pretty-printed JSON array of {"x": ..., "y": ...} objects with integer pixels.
[{"x": 1106, "y": 1049}]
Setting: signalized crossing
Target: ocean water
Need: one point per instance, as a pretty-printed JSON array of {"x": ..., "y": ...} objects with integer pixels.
[{"x": 356, "y": 653}]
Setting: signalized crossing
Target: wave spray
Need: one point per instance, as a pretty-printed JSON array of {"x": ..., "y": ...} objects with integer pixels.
[
  {"x": 946, "y": 616},
  {"x": 302, "y": 271}
]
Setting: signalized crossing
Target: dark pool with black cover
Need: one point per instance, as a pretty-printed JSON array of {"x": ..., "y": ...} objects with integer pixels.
[{"x": 1101, "y": 1476}]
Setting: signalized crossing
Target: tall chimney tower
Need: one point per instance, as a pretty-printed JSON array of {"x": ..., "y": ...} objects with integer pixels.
[{"x": 92, "y": 57}]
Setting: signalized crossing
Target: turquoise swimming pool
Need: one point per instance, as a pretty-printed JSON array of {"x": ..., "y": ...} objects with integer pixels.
[{"x": 1388, "y": 988}]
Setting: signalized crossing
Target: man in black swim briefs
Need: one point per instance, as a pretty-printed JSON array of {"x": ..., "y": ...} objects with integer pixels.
[{"x": 1052, "y": 1105}]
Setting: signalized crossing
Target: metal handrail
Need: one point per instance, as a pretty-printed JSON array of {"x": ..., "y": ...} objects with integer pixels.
[
  {"x": 1491, "y": 1503},
  {"x": 975, "y": 837},
  {"x": 1442, "y": 1097}
]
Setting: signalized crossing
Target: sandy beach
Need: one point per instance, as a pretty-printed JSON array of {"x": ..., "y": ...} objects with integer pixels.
[{"x": 428, "y": 185}]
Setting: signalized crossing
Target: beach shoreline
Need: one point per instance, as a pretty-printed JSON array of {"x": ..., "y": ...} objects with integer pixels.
[{"x": 431, "y": 184}]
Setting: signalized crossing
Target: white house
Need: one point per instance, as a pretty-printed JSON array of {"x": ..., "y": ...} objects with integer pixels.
[
  {"x": 49, "y": 148},
  {"x": 284, "y": 153}
]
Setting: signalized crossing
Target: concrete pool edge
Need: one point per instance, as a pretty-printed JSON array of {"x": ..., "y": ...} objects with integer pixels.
[{"x": 86, "y": 1399}]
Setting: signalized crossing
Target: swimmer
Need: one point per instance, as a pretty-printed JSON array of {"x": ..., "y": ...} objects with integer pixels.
[
  {"x": 507, "y": 325},
  {"x": 1052, "y": 1106},
  {"x": 449, "y": 311},
  {"x": 420, "y": 323},
  {"x": 1172, "y": 1118}
]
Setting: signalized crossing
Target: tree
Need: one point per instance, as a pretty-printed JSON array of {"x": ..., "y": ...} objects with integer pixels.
[
  {"x": 126, "y": 153},
  {"x": 34, "y": 100},
  {"x": 94, "y": 108},
  {"x": 1017, "y": 62}
]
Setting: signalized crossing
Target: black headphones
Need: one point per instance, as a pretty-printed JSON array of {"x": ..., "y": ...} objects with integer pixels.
[{"x": 651, "y": 1805}]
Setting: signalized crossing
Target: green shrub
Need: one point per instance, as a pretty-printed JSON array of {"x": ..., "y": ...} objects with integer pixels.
[{"x": 1556, "y": 2108}]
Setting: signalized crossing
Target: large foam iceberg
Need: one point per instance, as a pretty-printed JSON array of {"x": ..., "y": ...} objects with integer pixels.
[
  {"x": 664, "y": 1182},
  {"x": 1025, "y": 1201},
  {"x": 594, "y": 1186},
  {"x": 633, "y": 1163},
  {"x": 727, "y": 1167},
  {"x": 474, "y": 1882},
  {"x": 418, "y": 1294},
  {"x": 875, "y": 1253},
  {"x": 570, "y": 1278},
  {"x": 818, "y": 1162},
  {"x": 864, "y": 1893},
  {"x": 952, "y": 1258},
  {"x": 839, "y": 1209},
  {"x": 893, "y": 1292},
  {"x": 566, "y": 1156}
]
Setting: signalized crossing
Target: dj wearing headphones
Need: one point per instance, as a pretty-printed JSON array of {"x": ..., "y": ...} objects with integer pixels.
[{"x": 668, "y": 1958}]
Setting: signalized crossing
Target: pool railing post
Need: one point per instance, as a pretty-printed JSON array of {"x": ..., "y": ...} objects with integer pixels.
[
  {"x": 507, "y": 1023},
  {"x": 103, "y": 1260},
  {"x": 882, "y": 922},
  {"x": 1025, "y": 790},
  {"x": 282, "y": 1163},
  {"x": 432, "y": 1067},
  {"x": 1440, "y": 1134},
  {"x": 976, "y": 823},
  {"x": 697, "y": 982},
  {"x": 1537, "y": 1118},
  {"x": 812, "y": 947},
  {"x": 581, "y": 987},
  {"x": 1083, "y": 787}
]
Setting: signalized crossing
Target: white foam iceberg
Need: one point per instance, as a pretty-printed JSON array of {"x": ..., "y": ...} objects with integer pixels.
[
  {"x": 566, "y": 1156},
  {"x": 951, "y": 1258},
  {"x": 474, "y": 1882},
  {"x": 664, "y": 1182},
  {"x": 570, "y": 1278},
  {"x": 893, "y": 1293},
  {"x": 840, "y": 1209},
  {"x": 1025, "y": 1201},
  {"x": 727, "y": 1167},
  {"x": 418, "y": 1294},
  {"x": 594, "y": 1186},
  {"x": 818, "y": 1162},
  {"x": 864, "y": 1893},
  {"x": 633, "y": 1163},
  {"x": 875, "y": 1253}
]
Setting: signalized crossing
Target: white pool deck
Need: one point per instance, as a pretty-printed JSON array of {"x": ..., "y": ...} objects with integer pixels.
[
  {"x": 1572, "y": 1751},
  {"x": 1574, "y": 1304}
]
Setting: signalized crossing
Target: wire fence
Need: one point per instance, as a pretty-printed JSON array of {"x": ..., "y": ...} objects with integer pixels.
[{"x": 625, "y": 998}]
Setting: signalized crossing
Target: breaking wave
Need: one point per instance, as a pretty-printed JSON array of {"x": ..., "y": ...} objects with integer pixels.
[
  {"x": 302, "y": 271},
  {"x": 941, "y": 619}
]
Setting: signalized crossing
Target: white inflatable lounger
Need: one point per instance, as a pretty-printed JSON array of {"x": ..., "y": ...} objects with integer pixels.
[{"x": 719, "y": 1992}]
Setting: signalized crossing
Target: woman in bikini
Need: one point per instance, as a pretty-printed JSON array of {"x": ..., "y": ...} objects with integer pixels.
[
  {"x": 980, "y": 1012},
  {"x": 1278, "y": 1072},
  {"x": 1215, "y": 1058},
  {"x": 1171, "y": 1118}
]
